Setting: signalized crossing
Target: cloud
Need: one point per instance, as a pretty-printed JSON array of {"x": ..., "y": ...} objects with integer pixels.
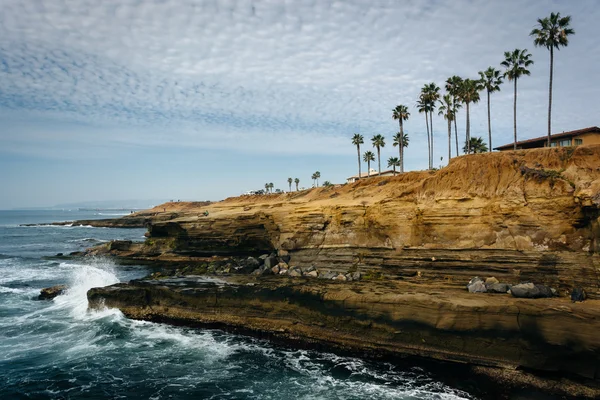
[{"x": 299, "y": 75}]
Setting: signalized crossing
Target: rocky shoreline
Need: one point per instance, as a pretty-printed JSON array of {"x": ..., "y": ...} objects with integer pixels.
[{"x": 398, "y": 254}]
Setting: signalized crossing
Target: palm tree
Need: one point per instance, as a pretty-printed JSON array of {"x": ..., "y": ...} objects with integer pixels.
[
  {"x": 314, "y": 178},
  {"x": 423, "y": 107},
  {"x": 401, "y": 140},
  {"x": 476, "y": 145},
  {"x": 432, "y": 92},
  {"x": 378, "y": 142},
  {"x": 357, "y": 140},
  {"x": 267, "y": 187},
  {"x": 551, "y": 32},
  {"x": 317, "y": 176},
  {"x": 401, "y": 114},
  {"x": 491, "y": 81},
  {"x": 453, "y": 88},
  {"x": 271, "y": 186},
  {"x": 368, "y": 157},
  {"x": 296, "y": 181},
  {"x": 516, "y": 63},
  {"x": 469, "y": 93},
  {"x": 290, "y": 183},
  {"x": 393, "y": 162},
  {"x": 447, "y": 110}
]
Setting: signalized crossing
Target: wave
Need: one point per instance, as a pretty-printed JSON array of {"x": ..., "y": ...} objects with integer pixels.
[
  {"x": 121, "y": 214},
  {"x": 87, "y": 240}
]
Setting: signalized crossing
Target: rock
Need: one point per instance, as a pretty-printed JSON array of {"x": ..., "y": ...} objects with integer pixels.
[
  {"x": 531, "y": 291},
  {"x": 328, "y": 275},
  {"x": 283, "y": 265},
  {"x": 491, "y": 281},
  {"x": 348, "y": 277},
  {"x": 119, "y": 245},
  {"x": 310, "y": 269},
  {"x": 263, "y": 257},
  {"x": 312, "y": 274},
  {"x": 578, "y": 294},
  {"x": 257, "y": 271},
  {"x": 270, "y": 261},
  {"x": 283, "y": 272},
  {"x": 51, "y": 292},
  {"x": 59, "y": 254},
  {"x": 275, "y": 269},
  {"x": 498, "y": 288},
  {"x": 340, "y": 277},
  {"x": 295, "y": 272},
  {"x": 356, "y": 276},
  {"x": 252, "y": 262},
  {"x": 477, "y": 287},
  {"x": 286, "y": 259}
]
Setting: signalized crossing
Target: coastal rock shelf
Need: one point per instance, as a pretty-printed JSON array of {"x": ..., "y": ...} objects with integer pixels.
[{"x": 377, "y": 318}]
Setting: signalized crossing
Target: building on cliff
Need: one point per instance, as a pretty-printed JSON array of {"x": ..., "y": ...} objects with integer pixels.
[
  {"x": 373, "y": 173},
  {"x": 578, "y": 137}
]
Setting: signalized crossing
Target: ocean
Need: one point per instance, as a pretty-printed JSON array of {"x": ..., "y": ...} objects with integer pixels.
[{"x": 59, "y": 349}]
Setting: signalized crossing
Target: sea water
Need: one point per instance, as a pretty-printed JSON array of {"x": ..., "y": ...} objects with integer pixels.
[{"x": 59, "y": 349}]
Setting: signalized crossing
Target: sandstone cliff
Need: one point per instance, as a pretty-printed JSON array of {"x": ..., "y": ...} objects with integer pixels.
[{"x": 525, "y": 215}]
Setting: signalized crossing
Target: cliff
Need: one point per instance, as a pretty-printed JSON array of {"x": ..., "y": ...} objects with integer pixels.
[{"x": 417, "y": 238}]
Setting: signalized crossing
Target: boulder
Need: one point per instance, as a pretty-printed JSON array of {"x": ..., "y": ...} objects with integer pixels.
[
  {"x": 356, "y": 276},
  {"x": 275, "y": 269},
  {"x": 348, "y": 277},
  {"x": 312, "y": 274},
  {"x": 119, "y": 245},
  {"x": 270, "y": 261},
  {"x": 578, "y": 294},
  {"x": 283, "y": 272},
  {"x": 295, "y": 272},
  {"x": 498, "y": 288},
  {"x": 340, "y": 277},
  {"x": 310, "y": 269},
  {"x": 477, "y": 287},
  {"x": 51, "y": 292},
  {"x": 252, "y": 262},
  {"x": 286, "y": 259},
  {"x": 531, "y": 291},
  {"x": 474, "y": 280},
  {"x": 263, "y": 257},
  {"x": 491, "y": 281}
]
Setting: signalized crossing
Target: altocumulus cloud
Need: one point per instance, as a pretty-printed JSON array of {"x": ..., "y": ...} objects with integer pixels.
[{"x": 301, "y": 76}]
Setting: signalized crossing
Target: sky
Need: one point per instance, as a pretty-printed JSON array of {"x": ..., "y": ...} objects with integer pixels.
[{"x": 202, "y": 100}]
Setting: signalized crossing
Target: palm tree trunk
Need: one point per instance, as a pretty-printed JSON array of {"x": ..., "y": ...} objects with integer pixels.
[
  {"x": 431, "y": 127},
  {"x": 394, "y": 167},
  {"x": 456, "y": 132},
  {"x": 358, "y": 150},
  {"x": 401, "y": 147},
  {"x": 468, "y": 133},
  {"x": 449, "y": 140},
  {"x": 368, "y": 169},
  {"x": 428, "y": 140},
  {"x": 379, "y": 159},
  {"x": 489, "y": 122},
  {"x": 515, "y": 115},
  {"x": 550, "y": 96}
]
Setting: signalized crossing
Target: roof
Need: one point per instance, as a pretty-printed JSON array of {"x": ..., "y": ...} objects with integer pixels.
[{"x": 532, "y": 142}]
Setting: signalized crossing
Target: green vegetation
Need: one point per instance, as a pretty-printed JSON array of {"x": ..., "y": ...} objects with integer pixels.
[
  {"x": 475, "y": 145},
  {"x": 401, "y": 114},
  {"x": 378, "y": 142},
  {"x": 357, "y": 140},
  {"x": 490, "y": 81},
  {"x": 368, "y": 157},
  {"x": 393, "y": 162},
  {"x": 516, "y": 64}
]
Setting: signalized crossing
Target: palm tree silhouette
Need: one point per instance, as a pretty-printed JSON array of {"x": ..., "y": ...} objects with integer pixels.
[
  {"x": 290, "y": 183},
  {"x": 401, "y": 140},
  {"x": 432, "y": 92},
  {"x": 490, "y": 81},
  {"x": 368, "y": 157},
  {"x": 516, "y": 63},
  {"x": 317, "y": 176},
  {"x": 453, "y": 88},
  {"x": 401, "y": 114},
  {"x": 393, "y": 162},
  {"x": 271, "y": 186},
  {"x": 378, "y": 142},
  {"x": 469, "y": 93},
  {"x": 296, "y": 181},
  {"x": 267, "y": 187},
  {"x": 552, "y": 32},
  {"x": 357, "y": 140},
  {"x": 447, "y": 110}
]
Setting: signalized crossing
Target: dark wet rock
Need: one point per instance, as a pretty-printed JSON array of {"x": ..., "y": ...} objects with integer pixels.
[
  {"x": 119, "y": 245},
  {"x": 59, "y": 254},
  {"x": 263, "y": 257},
  {"x": 270, "y": 261},
  {"x": 51, "y": 292},
  {"x": 275, "y": 269},
  {"x": 531, "y": 291},
  {"x": 328, "y": 275},
  {"x": 498, "y": 288},
  {"x": 578, "y": 294},
  {"x": 286, "y": 259}
]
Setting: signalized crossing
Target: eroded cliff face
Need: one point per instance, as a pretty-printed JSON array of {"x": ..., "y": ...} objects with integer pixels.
[{"x": 520, "y": 216}]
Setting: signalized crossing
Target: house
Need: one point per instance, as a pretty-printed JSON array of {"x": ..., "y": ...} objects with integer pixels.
[
  {"x": 373, "y": 173},
  {"x": 578, "y": 137}
]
